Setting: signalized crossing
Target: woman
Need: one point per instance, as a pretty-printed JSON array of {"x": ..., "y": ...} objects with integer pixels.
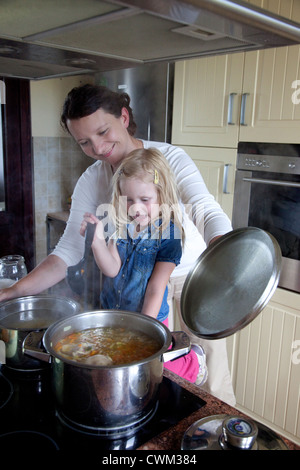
[{"x": 101, "y": 122}]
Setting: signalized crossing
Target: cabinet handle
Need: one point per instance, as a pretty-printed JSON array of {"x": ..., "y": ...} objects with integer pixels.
[
  {"x": 230, "y": 109},
  {"x": 225, "y": 178},
  {"x": 243, "y": 108},
  {"x": 149, "y": 129}
]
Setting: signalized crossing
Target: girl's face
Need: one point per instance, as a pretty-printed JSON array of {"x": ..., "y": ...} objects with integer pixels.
[
  {"x": 142, "y": 200},
  {"x": 102, "y": 136}
]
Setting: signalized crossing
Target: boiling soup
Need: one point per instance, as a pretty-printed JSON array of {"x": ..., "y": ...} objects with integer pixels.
[{"x": 106, "y": 346}]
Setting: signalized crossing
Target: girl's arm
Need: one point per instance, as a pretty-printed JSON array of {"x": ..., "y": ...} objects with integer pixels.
[
  {"x": 106, "y": 255},
  {"x": 156, "y": 288}
]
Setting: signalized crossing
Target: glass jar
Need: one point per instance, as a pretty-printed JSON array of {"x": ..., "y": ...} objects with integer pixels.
[{"x": 12, "y": 268}]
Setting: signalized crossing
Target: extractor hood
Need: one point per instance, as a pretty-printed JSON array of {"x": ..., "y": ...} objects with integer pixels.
[{"x": 54, "y": 38}]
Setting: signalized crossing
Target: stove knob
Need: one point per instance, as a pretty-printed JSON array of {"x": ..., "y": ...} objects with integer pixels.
[{"x": 239, "y": 432}]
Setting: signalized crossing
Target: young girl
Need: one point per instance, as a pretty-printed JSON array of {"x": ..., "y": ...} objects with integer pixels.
[{"x": 140, "y": 256}]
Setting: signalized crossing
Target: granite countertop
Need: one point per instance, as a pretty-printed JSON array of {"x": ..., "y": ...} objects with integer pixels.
[{"x": 171, "y": 438}]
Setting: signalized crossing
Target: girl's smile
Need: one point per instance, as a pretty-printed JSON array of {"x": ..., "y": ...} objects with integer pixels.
[{"x": 142, "y": 200}]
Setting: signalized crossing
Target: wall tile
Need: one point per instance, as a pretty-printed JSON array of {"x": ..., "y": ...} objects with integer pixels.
[{"x": 58, "y": 163}]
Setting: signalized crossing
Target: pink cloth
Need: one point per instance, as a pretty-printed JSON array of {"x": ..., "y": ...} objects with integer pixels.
[{"x": 186, "y": 367}]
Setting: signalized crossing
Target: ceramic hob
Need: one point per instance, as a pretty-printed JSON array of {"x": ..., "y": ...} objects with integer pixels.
[{"x": 28, "y": 416}]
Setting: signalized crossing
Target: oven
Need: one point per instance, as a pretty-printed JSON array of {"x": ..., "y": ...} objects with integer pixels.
[{"x": 267, "y": 196}]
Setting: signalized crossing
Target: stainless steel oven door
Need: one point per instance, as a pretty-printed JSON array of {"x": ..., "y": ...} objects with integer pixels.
[{"x": 271, "y": 201}]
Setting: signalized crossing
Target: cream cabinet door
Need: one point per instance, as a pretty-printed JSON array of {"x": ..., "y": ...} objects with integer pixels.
[
  {"x": 255, "y": 96},
  {"x": 270, "y": 101},
  {"x": 271, "y": 87},
  {"x": 207, "y": 101},
  {"x": 217, "y": 167},
  {"x": 265, "y": 365}
]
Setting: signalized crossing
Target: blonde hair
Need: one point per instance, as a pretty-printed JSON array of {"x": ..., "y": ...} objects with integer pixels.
[{"x": 149, "y": 165}]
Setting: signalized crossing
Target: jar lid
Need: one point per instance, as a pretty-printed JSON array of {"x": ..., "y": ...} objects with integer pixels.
[{"x": 12, "y": 259}]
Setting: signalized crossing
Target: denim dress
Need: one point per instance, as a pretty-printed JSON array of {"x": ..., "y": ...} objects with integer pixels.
[{"x": 138, "y": 256}]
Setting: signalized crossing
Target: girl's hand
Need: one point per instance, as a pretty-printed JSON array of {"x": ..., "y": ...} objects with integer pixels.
[
  {"x": 92, "y": 219},
  {"x": 87, "y": 218}
]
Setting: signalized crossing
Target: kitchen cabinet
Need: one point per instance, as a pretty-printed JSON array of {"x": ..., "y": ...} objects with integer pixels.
[
  {"x": 217, "y": 167},
  {"x": 265, "y": 365},
  {"x": 253, "y": 96},
  {"x": 205, "y": 101},
  {"x": 206, "y": 98}
]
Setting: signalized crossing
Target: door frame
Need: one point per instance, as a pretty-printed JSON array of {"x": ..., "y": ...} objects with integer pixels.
[{"x": 17, "y": 221}]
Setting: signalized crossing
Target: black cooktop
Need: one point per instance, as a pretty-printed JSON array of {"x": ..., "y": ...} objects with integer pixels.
[{"x": 28, "y": 417}]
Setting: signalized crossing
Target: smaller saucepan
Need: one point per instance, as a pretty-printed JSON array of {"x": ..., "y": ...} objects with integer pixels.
[{"x": 31, "y": 313}]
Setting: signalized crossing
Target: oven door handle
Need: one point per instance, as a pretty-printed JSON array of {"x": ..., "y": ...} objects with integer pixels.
[{"x": 275, "y": 182}]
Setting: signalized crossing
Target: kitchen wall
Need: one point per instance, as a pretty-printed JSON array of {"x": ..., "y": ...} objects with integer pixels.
[{"x": 58, "y": 161}]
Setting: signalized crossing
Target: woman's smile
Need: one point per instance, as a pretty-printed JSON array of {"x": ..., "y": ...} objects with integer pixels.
[
  {"x": 108, "y": 153},
  {"x": 102, "y": 136}
]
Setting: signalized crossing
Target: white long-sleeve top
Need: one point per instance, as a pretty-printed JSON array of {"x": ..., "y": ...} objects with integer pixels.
[{"x": 94, "y": 189}]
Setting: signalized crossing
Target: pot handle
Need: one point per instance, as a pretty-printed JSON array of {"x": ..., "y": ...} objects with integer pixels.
[
  {"x": 181, "y": 346},
  {"x": 31, "y": 347}
]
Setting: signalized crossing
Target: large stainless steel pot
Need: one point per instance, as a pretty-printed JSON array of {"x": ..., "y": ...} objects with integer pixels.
[
  {"x": 31, "y": 313},
  {"x": 106, "y": 399}
]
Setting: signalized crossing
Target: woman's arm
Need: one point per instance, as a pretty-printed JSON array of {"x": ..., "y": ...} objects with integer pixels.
[
  {"x": 156, "y": 288},
  {"x": 206, "y": 212},
  {"x": 49, "y": 272}
]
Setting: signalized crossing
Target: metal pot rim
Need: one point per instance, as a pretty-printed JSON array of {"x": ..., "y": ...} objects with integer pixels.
[
  {"x": 65, "y": 324},
  {"x": 34, "y": 298}
]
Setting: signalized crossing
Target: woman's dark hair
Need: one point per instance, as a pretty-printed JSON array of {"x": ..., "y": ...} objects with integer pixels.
[{"x": 86, "y": 99}]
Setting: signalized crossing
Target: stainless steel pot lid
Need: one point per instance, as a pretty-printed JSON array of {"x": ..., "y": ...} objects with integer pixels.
[
  {"x": 231, "y": 283},
  {"x": 211, "y": 433}
]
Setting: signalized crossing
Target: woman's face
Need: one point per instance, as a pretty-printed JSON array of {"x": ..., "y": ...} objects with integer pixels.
[
  {"x": 142, "y": 200},
  {"x": 102, "y": 136}
]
